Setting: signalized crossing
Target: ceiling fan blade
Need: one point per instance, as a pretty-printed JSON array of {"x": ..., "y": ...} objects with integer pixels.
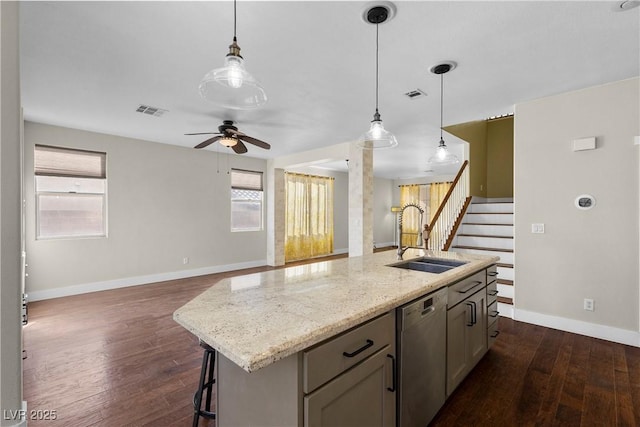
[
  {"x": 239, "y": 148},
  {"x": 208, "y": 142},
  {"x": 255, "y": 142},
  {"x": 204, "y": 133}
]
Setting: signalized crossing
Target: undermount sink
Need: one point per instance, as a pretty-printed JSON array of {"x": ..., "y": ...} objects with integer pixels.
[{"x": 429, "y": 265}]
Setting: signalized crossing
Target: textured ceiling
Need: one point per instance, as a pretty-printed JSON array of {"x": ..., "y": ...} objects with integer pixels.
[{"x": 89, "y": 65}]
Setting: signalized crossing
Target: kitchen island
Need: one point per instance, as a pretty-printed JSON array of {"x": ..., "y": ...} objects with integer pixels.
[{"x": 261, "y": 324}]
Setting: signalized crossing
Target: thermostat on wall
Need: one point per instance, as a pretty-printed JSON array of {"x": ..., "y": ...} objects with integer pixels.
[{"x": 585, "y": 202}]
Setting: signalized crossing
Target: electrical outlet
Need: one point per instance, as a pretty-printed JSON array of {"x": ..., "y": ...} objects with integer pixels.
[
  {"x": 185, "y": 260},
  {"x": 588, "y": 304}
]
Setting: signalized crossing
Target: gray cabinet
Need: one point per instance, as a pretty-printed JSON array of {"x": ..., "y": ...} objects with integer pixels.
[
  {"x": 466, "y": 330},
  {"x": 492, "y": 305},
  {"x": 359, "y": 397},
  {"x": 350, "y": 380}
]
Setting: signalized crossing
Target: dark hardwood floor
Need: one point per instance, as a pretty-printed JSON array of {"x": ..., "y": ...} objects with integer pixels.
[{"x": 117, "y": 358}]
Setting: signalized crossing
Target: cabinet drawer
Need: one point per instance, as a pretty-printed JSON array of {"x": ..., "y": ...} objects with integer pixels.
[
  {"x": 330, "y": 358},
  {"x": 492, "y": 333},
  {"x": 492, "y": 313},
  {"x": 492, "y": 292},
  {"x": 492, "y": 273},
  {"x": 465, "y": 288}
]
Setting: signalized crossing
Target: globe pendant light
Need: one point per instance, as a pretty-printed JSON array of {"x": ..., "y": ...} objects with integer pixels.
[
  {"x": 442, "y": 157},
  {"x": 377, "y": 136},
  {"x": 232, "y": 86}
]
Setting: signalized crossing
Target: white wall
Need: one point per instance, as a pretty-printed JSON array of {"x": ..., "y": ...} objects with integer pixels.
[
  {"x": 165, "y": 203},
  {"x": 10, "y": 264},
  {"x": 583, "y": 254}
]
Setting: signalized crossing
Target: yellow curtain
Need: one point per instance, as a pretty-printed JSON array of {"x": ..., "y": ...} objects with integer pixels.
[
  {"x": 309, "y": 216},
  {"x": 411, "y": 227},
  {"x": 437, "y": 191}
]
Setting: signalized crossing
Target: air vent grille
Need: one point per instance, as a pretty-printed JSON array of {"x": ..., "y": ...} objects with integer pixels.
[
  {"x": 416, "y": 93},
  {"x": 152, "y": 111}
]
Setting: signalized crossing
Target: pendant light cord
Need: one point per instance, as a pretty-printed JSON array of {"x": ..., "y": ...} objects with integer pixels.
[
  {"x": 234, "y": 19},
  {"x": 441, "y": 101},
  {"x": 377, "y": 68}
]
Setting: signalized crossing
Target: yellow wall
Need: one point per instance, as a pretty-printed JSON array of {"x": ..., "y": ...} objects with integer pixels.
[
  {"x": 475, "y": 133},
  {"x": 490, "y": 155},
  {"x": 500, "y": 157}
]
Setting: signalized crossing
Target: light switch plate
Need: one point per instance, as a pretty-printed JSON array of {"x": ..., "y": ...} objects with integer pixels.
[{"x": 537, "y": 228}]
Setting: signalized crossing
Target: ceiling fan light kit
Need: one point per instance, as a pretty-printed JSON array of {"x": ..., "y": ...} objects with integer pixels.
[
  {"x": 377, "y": 136},
  {"x": 232, "y": 86},
  {"x": 442, "y": 156}
]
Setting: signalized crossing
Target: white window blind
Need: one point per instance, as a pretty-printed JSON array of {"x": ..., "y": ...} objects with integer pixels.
[
  {"x": 58, "y": 161},
  {"x": 246, "y": 180}
]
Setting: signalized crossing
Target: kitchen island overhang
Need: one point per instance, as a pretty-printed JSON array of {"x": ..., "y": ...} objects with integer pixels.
[{"x": 258, "y": 319}]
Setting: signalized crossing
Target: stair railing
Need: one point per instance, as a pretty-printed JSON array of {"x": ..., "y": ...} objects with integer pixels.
[{"x": 453, "y": 204}]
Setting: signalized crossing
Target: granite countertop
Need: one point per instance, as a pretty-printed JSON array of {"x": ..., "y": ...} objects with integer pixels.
[{"x": 258, "y": 319}]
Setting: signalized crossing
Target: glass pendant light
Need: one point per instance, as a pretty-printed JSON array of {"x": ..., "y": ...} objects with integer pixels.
[
  {"x": 442, "y": 157},
  {"x": 377, "y": 136},
  {"x": 232, "y": 86}
]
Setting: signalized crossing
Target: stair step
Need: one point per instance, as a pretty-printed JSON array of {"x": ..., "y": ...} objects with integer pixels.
[
  {"x": 504, "y": 265},
  {"x": 486, "y": 235},
  {"x": 505, "y": 282},
  {"x": 505, "y": 300},
  {"x": 483, "y": 249}
]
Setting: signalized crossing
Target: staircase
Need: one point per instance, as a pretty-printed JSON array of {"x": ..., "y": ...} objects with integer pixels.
[{"x": 487, "y": 229}]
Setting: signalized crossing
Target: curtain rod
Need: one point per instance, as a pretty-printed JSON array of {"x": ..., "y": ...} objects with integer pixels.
[
  {"x": 309, "y": 175},
  {"x": 429, "y": 183}
]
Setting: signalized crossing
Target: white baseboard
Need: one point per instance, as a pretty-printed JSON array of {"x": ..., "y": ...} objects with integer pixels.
[
  {"x": 609, "y": 333},
  {"x": 138, "y": 280},
  {"x": 340, "y": 251},
  {"x": 506, "y": 310}
]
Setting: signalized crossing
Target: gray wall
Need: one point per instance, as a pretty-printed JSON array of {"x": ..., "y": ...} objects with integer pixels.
[
  {"x": 583, "y": 254},
  {"x": 10, "y": 285},
  {"x": 164, "y": 203}
]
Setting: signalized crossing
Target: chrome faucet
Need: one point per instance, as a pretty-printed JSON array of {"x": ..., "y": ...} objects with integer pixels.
[{"x": 402, "y": 250}]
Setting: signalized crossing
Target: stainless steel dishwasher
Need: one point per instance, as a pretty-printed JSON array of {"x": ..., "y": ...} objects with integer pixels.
[{"x": 421, "y": 346}]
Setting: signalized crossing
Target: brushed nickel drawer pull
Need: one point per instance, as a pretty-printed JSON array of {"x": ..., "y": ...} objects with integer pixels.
[
  {"x": 493, "y": 293},
  {"x": 492, "y": 273},
  {"x": 476, "y": 283},
  {"x": 358, "y": 351}
]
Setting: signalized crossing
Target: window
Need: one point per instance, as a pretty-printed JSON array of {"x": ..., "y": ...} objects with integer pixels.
[
  {"x": 70, "y": 192},
  {"x": 246, "y": 200}
]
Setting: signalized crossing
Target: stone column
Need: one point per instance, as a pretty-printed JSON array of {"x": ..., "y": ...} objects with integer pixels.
[
  {"x": 276, "y": 208},
  {"x": 360, "y": 201}
]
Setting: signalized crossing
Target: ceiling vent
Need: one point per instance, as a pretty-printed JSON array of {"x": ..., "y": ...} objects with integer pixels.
[
  {"x": 152, "y": 111},
  {"x": 416, "y": 93}
]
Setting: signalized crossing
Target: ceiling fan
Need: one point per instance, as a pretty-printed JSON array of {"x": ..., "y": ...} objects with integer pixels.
[{"x": 229, "y": 136}]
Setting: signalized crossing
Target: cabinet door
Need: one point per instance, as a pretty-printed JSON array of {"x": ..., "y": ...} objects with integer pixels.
[
  {"x": 477, "y": 334},
  {"x": 358, "y": 397},
  {"x": 458, "y": 320},
  {"x": 466, "y": 337}
]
